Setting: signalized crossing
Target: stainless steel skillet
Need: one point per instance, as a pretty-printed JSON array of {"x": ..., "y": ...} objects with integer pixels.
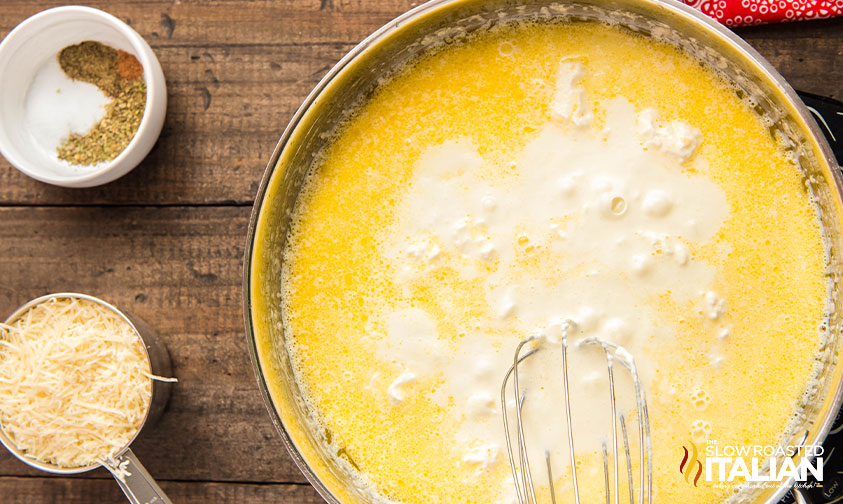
[{"x": 440, "y": 21}]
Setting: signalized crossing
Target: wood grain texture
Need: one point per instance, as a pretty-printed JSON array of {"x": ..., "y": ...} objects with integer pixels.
[
  {"x": 105, "y": 491},
  {"x": 166, "y": 242},
  {"x": 237, "y": 71},
  {"x": 234, "y": 22},
  {"x": 808, "y": 54},
  {"x": 179, "y": 269},
  {"x": 227, "y": 108}
]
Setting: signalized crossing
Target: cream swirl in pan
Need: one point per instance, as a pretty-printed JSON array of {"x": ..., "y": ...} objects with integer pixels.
[{"x": 534, "y": 176}]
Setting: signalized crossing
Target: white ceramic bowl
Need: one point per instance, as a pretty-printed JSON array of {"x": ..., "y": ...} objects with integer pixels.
[{"x": 24, "y": 53}]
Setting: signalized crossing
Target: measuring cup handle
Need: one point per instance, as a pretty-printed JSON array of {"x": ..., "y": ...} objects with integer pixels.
[{"x": 135, "y": 481}]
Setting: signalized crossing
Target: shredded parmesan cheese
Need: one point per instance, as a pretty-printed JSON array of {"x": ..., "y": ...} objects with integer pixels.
[{"x": 75, "y": 382}]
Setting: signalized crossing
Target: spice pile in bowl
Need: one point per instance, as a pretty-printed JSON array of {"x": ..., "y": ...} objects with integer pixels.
[{"x": 119, "y": 75}]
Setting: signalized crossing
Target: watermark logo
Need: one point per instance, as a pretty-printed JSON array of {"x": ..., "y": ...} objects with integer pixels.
[
  {"x": 691, "y": 464},
  {"x": 754, "y": 465}
]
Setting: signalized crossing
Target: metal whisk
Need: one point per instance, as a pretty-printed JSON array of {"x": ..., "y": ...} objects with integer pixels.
[{"x": 524, "y": 487}]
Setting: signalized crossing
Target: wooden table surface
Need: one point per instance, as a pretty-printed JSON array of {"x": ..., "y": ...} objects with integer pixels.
[{"x": 166, "y": 241}]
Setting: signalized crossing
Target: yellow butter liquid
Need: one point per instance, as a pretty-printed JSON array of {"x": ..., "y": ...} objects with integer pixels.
[{"x": 494, "y": 90}]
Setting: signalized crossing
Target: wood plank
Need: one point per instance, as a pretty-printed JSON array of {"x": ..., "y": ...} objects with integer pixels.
[
  {"x": 237, "y": 72},
  {"x": 227, "y": 108},
  {"x": 808, "y": 54},
  {"x": 234, "y": 22},
  {"x": 179, "y": 269},
  {"x": 102, "y": 491}
]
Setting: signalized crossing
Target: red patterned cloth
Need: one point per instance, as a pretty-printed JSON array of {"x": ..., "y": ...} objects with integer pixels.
[{"x": 752, "y": 12}]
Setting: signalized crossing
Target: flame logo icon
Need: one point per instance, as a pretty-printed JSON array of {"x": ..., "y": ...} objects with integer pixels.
[{"x": 691, "y": 464}]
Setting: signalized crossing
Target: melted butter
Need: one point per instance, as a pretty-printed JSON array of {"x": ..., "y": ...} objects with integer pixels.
[{"x": 581, "y": 176}]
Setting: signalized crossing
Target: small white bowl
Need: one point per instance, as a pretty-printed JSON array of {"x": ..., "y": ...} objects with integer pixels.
[{"x": 27, "y": 49}]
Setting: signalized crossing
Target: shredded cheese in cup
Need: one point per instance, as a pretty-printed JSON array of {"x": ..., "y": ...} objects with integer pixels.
[{"x": 75, "y": 382}]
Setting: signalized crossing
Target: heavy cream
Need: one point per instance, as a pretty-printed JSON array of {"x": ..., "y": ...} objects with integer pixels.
[
  {"x": 541, "y": 181},
  {"x": 608, "y": 208}
]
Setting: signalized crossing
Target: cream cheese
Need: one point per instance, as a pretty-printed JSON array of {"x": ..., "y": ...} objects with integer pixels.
[
  {"x": 675, "y": 137},
  {"x": 569, "y": 101}
]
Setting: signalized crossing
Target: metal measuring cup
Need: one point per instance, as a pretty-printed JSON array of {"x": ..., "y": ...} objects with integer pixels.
[{"x": 133, "y": 478}]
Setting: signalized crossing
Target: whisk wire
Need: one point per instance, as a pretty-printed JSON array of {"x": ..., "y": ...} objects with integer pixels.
[
  {"x": 566, "y": 390},
  {"x": 628, "y": 459},
  {"x": 523, "y": 482},
  {"x": 609, "y": 363},
  {"x": 606, "y": 472},
  {"x": 526, "y": 475},
  {"x": 644, "y": 439},
  {"x": 550, "y": 477},
  {"x": 521, "y": 490}
]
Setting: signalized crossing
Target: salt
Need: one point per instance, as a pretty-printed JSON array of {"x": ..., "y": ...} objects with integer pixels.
[{"x": 56, "y": 106}]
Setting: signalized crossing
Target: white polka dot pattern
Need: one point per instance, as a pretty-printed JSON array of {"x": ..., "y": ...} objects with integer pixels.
[{"x": 734, "y": 13}]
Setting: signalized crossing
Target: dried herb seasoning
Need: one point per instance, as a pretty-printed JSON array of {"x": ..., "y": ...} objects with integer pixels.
[{"x": 119, "y": 75}]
